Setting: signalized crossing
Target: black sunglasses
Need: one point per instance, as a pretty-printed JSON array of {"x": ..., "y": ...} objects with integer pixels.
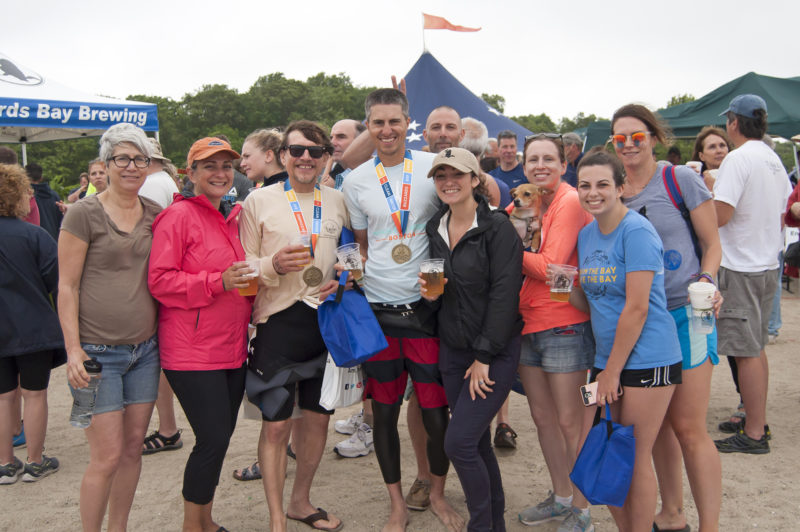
[{"x": 296, "y": 150}]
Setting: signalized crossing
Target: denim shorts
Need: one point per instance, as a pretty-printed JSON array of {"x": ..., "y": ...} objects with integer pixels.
[
  {"x": 130, "y": 374},
  {"x": 560, "y": 349}
]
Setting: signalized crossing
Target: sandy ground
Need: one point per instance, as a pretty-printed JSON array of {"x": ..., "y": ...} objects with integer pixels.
[{"x": 757, "y": 490}]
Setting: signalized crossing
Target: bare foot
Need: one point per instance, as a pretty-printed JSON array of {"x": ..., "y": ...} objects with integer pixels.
[
  {"x": 277, "y": 523},
  {"x": 446, "y": 514},
  {"x": 398, "y": 521}
]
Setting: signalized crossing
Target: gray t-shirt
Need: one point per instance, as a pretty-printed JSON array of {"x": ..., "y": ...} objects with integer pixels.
[
  {"x": 680, "y": 260},
  {"x": 115, "y": 304}
]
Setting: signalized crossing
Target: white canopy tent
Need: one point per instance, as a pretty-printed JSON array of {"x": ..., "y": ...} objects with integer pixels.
[{"x": 37, "y": 109}]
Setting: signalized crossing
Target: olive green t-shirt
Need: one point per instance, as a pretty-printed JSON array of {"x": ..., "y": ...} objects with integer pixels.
[{"x": 115, "y": 304}]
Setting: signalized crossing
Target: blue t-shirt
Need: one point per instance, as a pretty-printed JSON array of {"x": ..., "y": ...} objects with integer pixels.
[
  {"x": 505, "y": 195},
  {"x": 512, "y": 178},
  {"x": 604, "y": 261}
]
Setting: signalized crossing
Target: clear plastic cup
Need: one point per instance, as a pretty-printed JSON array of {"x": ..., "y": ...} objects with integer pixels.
[
  {"x": 563, "y": 279},
  {"x": 432, "y": 271},
  {"x": 303, "y": 239},
  {"x": 350, "y": 257},
  {"x": 252, "y": 286}
]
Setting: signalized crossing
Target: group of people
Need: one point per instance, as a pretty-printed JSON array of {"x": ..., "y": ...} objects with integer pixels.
[{"x": 146, "y": 285}]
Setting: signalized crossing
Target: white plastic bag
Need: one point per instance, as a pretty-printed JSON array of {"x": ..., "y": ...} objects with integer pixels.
[{"x": 341, "y": 387}]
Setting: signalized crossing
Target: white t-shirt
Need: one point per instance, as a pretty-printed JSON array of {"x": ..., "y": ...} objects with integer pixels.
[
  {"x": 752, "y": 180},
  {"x": 385, "y": 281},
  {"x": 159, "y": 187}
]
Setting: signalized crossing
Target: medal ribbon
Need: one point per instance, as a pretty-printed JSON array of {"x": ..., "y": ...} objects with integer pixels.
[
  {"x": 316, "y": 222},
  {"x": 399, "y": 215}
]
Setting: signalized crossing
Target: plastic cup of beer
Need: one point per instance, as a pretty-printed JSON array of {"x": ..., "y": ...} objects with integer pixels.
[
  {"x": 561, "y": 284},
  {"x": 350, "y": 257},
  {"x": 433, "y": 274},
  {"x": 252, "y": 279},
  {"x": 303, "y": 239},
  {"x": 701, "y": 296}
]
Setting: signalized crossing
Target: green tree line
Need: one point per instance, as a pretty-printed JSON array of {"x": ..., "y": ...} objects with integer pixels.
[{"x": 272, "y": 101}]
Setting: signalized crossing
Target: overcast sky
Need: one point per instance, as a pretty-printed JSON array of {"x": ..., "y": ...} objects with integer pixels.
[{"x": 554, "y": 57}]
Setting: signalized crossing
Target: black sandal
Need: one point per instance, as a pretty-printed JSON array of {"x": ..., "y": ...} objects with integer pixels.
[{"x": 157, "y": 442}]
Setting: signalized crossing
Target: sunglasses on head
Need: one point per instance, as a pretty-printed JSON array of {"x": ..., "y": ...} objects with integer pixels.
[
  {"x": 296, "y": 150},
  {"x": 543, "y": 135},
  {"x": 637, "y": 137}
]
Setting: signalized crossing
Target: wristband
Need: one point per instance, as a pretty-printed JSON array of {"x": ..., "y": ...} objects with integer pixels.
[{"x": 707, "y": 276}]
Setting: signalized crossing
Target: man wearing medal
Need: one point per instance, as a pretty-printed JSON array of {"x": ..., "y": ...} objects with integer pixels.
[
  {"x": 390, "y": 199},
  {"x": 288, "y": 349}
]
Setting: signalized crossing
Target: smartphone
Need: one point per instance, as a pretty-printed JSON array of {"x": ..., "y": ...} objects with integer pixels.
[{"x": 589, "y": 393}]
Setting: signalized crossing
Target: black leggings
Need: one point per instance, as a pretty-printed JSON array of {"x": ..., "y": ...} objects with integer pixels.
[
  {"x": 387, "y": 440},
  {"x": 211, "y": 402}
]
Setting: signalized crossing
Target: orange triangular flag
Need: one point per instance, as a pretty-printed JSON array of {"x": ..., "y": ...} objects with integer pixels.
[{"x": 439, "y": 23}]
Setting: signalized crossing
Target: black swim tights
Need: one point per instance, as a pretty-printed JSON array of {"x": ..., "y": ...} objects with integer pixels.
[{"x": 387, "y": 439}]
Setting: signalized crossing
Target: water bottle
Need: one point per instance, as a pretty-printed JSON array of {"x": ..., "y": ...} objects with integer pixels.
[{"x": 83, "y": 404}]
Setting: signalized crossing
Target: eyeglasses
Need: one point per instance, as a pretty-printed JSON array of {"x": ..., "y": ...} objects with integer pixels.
[
  {"x": 637, "y": 137},
  {"x": 122, "y": 161},
  {"x": 296, "y": 150},
  {"x": 545, "y": 135}
]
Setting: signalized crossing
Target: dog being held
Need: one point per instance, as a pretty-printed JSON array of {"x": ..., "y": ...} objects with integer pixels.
[{"x": 527, "y": 209}]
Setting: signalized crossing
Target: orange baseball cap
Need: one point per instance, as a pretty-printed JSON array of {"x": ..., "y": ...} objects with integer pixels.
[{"x": 208, "y": 146}]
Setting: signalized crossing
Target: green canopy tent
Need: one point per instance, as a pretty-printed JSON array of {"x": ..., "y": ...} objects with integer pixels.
[{"x": 686, "y": 120}]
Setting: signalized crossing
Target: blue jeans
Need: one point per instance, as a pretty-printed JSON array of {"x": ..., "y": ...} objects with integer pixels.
[
  {"x": 775, "y": 322},
  {"x": 130, "y": 374}
]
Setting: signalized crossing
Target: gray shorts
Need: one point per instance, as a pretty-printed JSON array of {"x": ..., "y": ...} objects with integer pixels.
[
  {"x": 560, "y": 349},
  {"x": 744, "y": 316}
]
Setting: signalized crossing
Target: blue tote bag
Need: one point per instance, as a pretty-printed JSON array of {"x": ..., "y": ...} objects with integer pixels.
[
  {"x": 604, "y": 467},
  {"x": 349, "y": 327}
]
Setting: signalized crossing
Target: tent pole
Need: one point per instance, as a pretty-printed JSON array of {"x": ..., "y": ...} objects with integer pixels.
[
  {"x": 24, "y": 154},
  {"x": 424, "y": 46}
]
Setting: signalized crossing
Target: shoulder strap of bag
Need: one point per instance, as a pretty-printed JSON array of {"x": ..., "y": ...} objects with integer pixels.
[
  {"x": 675, "y": 196},
  {"x": 340, "y": 289},
  {"x": 607, "y": 420}
]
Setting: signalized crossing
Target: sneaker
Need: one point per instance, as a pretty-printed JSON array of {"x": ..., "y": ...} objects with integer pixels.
[
  {"x": 773, "y": 338},
  {"x": 359, "y": 444},
  {"x": 576, "y": 522},
  {"x": 9, "y": 473},
  {"x": 349, "y": 425},
  {"x": 419, "y": 496},
  {"x": 546, "y": 510},
  {"x": 729, "y": 427},
  {"x": 742, "y": 443},
  {"x": 34, "y": 471},
  {"x": 19, "y": 439}
]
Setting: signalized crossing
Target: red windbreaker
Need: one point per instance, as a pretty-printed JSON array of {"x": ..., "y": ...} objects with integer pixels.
[{"x": 201, "y": 326}]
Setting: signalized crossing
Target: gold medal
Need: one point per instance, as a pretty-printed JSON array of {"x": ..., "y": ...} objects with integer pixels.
[
  {"x": 312, "y": 276},
  {"x": 401, "y": 253}
]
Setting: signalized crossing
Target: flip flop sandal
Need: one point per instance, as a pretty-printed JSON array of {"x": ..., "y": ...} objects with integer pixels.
[
  {"x": 687, "y": 528},
  {"x": 319, "y": 515},
  {"x": 248, "y": 473},
  {"x": 157, "y": 442}
]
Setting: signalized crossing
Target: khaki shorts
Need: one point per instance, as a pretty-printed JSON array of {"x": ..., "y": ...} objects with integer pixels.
[{"x": 743, "y": 319}]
